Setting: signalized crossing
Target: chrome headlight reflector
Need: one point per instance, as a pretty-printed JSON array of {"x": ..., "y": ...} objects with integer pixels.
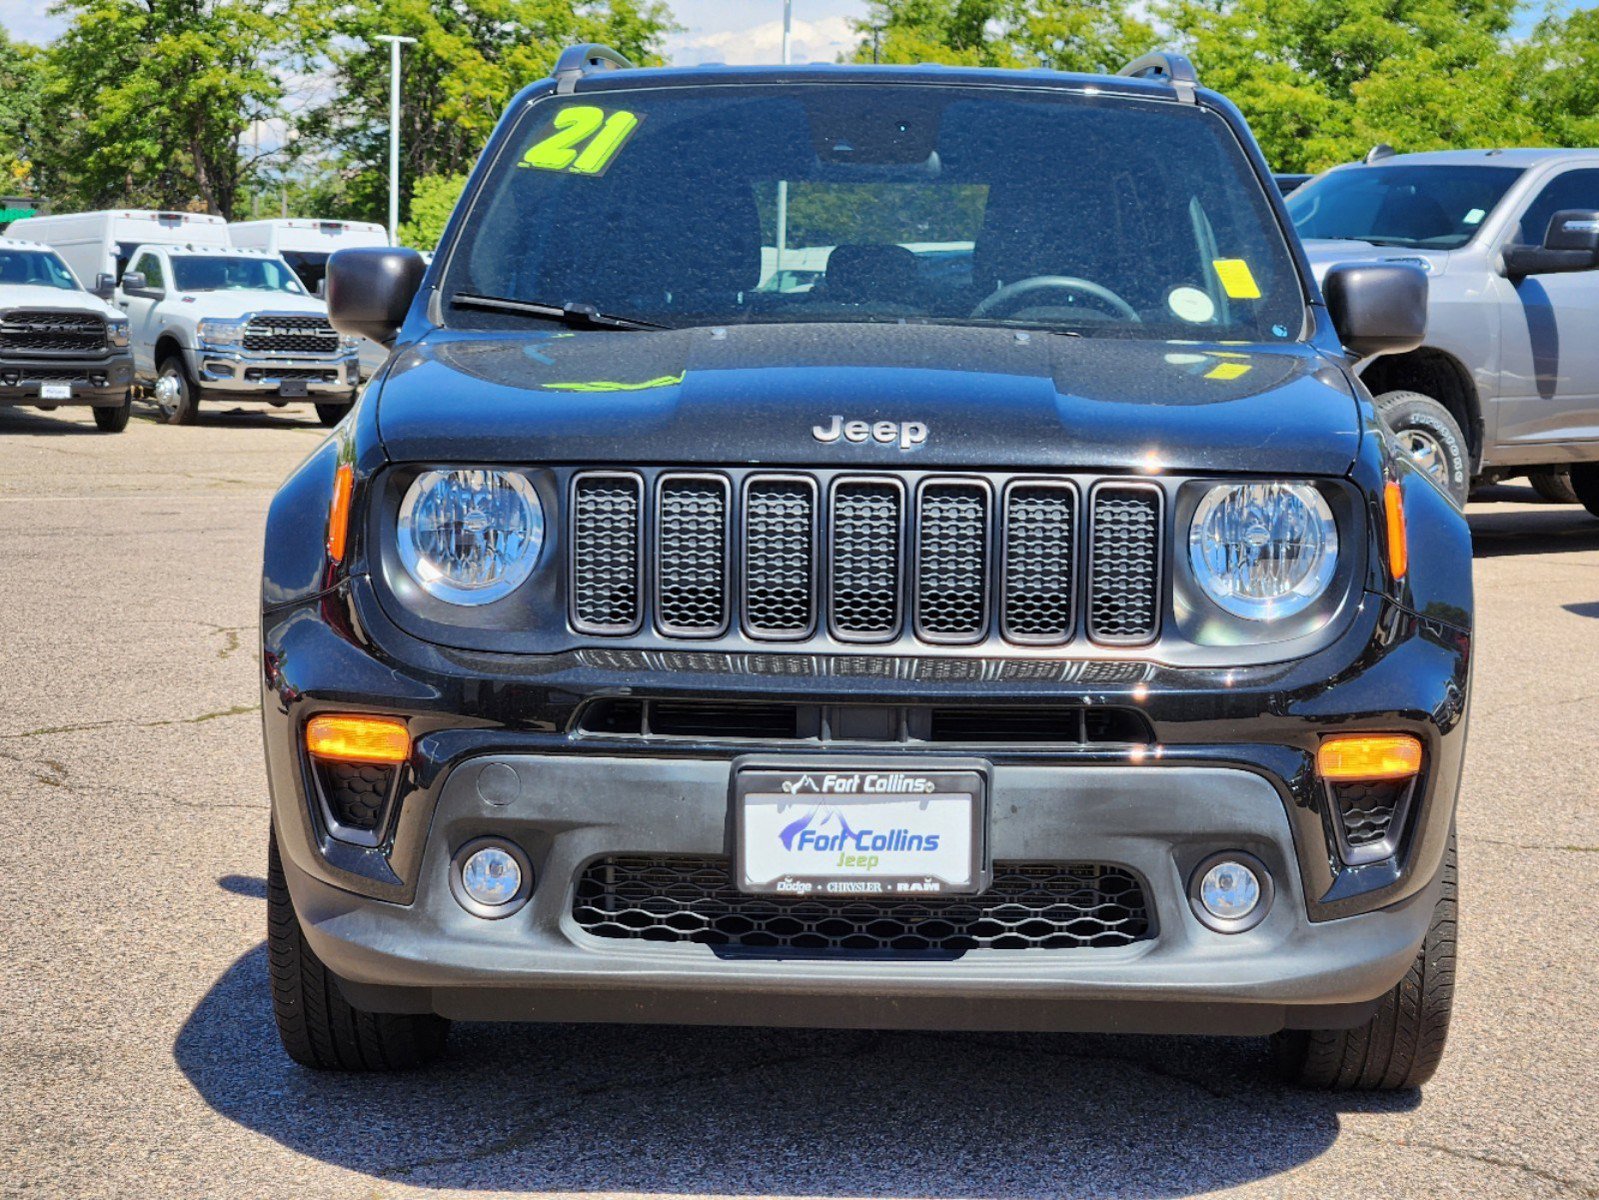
[
  {"x": 220, "y": 333},
  {"x": 1263, "y": 551},
  {"x": 116, "y": 331},
  {"x": 470, "y": 535}
]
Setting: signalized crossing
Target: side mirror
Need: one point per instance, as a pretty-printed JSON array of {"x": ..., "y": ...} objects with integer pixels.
[
  {"x": 370, "y": 289},
  {"x": 133, "y": 281},
  {"x": 105, "y": 285},
  {"x": 1571, "y": 243},
  {"x": 1377, "y": 308}
]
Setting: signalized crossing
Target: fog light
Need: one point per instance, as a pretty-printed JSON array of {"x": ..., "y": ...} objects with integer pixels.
[
  {"x": 1231, "y": 892},
  {"x": 491, "y": 878}
]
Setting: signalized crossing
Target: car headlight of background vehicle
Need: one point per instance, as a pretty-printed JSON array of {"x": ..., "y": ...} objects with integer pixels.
[
  {"x": 220, "y": 333},
  {"x": 470, "y": 535},
  {"x": 116, "y": 332},
  {"x": 1263, "y": 551}
]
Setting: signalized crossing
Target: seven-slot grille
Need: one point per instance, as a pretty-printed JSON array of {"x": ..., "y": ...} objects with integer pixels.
[
  {"x": 284, "y": 334},
  {"x": 866, "y": 558},
  {"x": 52, "y": 332}
]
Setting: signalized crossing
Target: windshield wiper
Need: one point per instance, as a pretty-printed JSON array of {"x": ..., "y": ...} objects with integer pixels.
[
  {"x": 1405, "y": 243},
  {"x": 583, "y": 315}
]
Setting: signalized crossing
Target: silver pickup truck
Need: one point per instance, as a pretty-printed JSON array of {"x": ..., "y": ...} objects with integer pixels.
[{"x": 1508, "y": 380}]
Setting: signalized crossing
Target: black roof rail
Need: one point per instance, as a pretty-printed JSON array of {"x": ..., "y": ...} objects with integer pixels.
[
  {"x": 578, "y": 61},
  {"x": 1174, "y": 68}
]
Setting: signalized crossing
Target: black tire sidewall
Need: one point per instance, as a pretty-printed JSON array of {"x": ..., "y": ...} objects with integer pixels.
[
  {"x": 188, "y": 404},
  {"x": 113, "y": 418},
  {"x": 1411, "y": 410}
]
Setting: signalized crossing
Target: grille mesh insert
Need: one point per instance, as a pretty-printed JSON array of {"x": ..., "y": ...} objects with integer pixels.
[
  {"x": 605, "y": 553},
  {"x": 1124, "y": 588},
  {"x": 52, "y": 331},
  {"x": 864, "y": 575},
  {"x": 691, "y": 556},
  {"x": 779, "y": 557},
  {"x": 290, "y": 335},
  {"x": 1029, "y": 906},
  {"x": 952, "y": 561},
  {"x": 356, "y": 792},
  {"x": 1370, "y": 816},
  {"x": 1039, "y": 540}
]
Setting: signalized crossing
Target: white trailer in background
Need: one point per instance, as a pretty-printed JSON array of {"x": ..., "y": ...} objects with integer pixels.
[
  {"x": 305, "y": 243},
  {"x": 100, "y": 243}
]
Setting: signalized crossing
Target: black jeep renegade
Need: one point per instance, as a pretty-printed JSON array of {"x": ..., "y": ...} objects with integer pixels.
[{"x": 855, "y": 546}]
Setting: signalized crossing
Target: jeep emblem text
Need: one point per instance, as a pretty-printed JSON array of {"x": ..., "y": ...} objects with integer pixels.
[{"x": 909, "y": 434}]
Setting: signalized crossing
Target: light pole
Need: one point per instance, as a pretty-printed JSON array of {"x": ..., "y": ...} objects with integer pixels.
[
  {"x": 782, "y": 184},
  {"x": 395, "y": 41}
]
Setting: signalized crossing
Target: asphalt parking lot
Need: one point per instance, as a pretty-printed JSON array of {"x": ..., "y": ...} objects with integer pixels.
[{"x": 137, "y": 1055}]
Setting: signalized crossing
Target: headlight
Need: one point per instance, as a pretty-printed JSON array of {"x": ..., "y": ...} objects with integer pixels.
[
  {"x": 116, "y": 333},
  {"x": 1263, "y": 551},
  {"x": 470, "y": 536},
  {"x": 220, "y": 333}
]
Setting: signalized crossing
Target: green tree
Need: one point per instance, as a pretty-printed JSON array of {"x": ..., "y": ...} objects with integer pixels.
[
  {"x": 1065, "y": 35},
  {"x": 153, "y": 99},
  {"x": 433, "y": 199},
  {"x": 21, "y": 112},
  {"x": 471, "y": 57}
]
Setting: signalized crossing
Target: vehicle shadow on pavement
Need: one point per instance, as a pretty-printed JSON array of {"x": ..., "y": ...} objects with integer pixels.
[
  {"x": 1555, "y": 530},
  {"x": 595, "y": 1108},
  {"x": 30, "y": 422}
]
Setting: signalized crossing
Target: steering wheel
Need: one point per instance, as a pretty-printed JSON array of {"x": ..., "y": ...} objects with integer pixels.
[{"x": 1007, "y": 296}]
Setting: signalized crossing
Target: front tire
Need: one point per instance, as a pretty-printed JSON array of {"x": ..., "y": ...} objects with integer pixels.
[
  {"x": 114, "y": 420},
  {"x": 1432, "y": 438},
  {"x": 1554, "y": 485},
  {"x": 1585, "y": 483},
  {"x": 318, "y": 1027},
  {"x": 331, "y": 414},
  {"x": 175, "y": 393},
  {"x": 1402, "y": 1044}
]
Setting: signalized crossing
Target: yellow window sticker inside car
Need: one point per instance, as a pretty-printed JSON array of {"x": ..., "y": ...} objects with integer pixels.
[
  {"x": 584, "y": 140},
  {"x": 1228, "y": 370},
  {"x": 1237, "y": 280}
]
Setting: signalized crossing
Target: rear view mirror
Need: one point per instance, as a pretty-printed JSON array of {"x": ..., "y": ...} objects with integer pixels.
[
  {"x": 370, "y": 289},
  {"x": 105, "y": 285},
  {"x": 133, "y": 281},
  {"x": 1571, "y": 243},
  {"x": 1377, "y": 308}
]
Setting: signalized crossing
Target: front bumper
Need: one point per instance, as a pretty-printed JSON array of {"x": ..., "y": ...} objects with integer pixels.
[
  {"x": 237, "y": 372},
  {"x": 98, "y": 380},
  {"x": 1231, "y": 770}
]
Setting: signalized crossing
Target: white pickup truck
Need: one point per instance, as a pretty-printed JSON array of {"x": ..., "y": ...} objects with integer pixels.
[{"x": 216, "y": 323}]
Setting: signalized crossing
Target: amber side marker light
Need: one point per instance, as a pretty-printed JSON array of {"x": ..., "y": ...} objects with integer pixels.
[
  {"x": 1398, "y": 546},
  {"x": 339, "y": 512},
  {"x": 358, "y": 739},
  {"x": 1369, "y": 756}
]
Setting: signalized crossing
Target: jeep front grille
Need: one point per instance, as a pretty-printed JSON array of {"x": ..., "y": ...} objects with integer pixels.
[
  {"x": 24, "y": 331},
  {"x": 274, "y": 334},
  {"x": 857, "y": 558},
  {"x": 1028, "y": 906}
]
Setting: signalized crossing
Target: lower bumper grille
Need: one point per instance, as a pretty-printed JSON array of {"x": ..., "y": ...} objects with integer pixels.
[
  {"x": 1370, "y": 818},
  {"x": 1029, "y": 906}
]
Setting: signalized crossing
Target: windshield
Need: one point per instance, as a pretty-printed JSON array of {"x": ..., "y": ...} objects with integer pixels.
[
  {"x": 226, "y": 273},
  {"x": 39, "y": 268},
  {"x": 1425, "y": 208},
  {"x": 880, "y": 203}
]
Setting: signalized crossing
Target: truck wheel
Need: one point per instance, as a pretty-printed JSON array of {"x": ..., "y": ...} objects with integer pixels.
[
  {"x": 1401, "y": 1046},
  {"x": 331, "y": 414},
  {"x": 318, "y": 1027},
  {"x": 114, "y": 420},
  {"x": 1430, "y": 435},
  {"x": 175, "y": 395},
  {"x": 1553, "y": 484},
  {"x": 1585, "y": 485}
]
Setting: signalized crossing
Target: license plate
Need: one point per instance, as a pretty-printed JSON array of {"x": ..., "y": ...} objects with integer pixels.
[
  {"x": 874, "y": 830},
  {"x": 292, "y": 389},
  {"x": 55, "y": 391}
]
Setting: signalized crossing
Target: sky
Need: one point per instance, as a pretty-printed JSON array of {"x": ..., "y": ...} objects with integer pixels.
[{"x": 731, "y": 31}]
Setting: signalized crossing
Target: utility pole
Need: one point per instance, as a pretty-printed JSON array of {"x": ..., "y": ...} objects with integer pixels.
[
  {"x": 782, "y": 184},
  {"x": 395, "y": 42}
]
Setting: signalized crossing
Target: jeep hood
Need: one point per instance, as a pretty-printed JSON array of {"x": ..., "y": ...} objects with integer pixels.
[
  {"x": 987, "y": 397},
  {"x": 1326, "y": 253}
]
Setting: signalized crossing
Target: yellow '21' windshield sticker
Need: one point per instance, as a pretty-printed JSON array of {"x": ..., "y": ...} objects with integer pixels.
[
  {"x": 1237, "y": 280},
  {"x": 583, "y": 140}
]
